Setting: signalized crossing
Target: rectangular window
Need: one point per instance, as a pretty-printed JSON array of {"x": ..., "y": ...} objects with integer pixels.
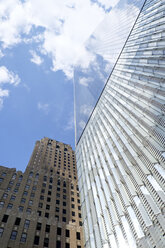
[
  {"x": 48, "y": 199},
  {"x": 64, "y": 211},
  {"x": 39, "y": 213},
  {"x": 28, "y": 210},
  {"x": 5, "y": 196},
  {"x": 48, "y": 207},
  {"x": 20, "y": 208},
  {"x": 30, "y": 202},
  {"x": 46, "y": 242},
  {"x": 58, "y": 244},
  {"x": 47, "y": 215},
  {"x": 12, "y": 198},
  {"x": 23, "y": 200},
  {"x": 25, "y": 193},
  {"x": 9, "y": 206},
  {"x": 78, "y": 235},
  {"x": 13, "y": 235},
  {"x": 67, "y": 233},
  {"x": 39, "y": 225},
  {"x": 47, "y": 228},
  {"x": 36, "y": 240},
  {"x": 17, "y": 221},
  {"x": 40, "y": 205},
  {"x": 5, "y": 218},
  {"x": 1, "y": 231},
  {"x": 64, "y": 219},
  {"x": 57, "y": 202},
  {"x": 58, "y": 230},
  {"x": 73, "y": 213},
  {"x": 67, "y": 245},
  {"x": 1, "y": 204},
  {"x": 26, "y": 224},
  {"x": 64, "y": 204},
  {"x": 23, "y": 237}
]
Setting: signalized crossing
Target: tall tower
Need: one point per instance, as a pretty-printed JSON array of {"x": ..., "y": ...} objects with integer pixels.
[
  {"x": 41, "y": 207},
  {"x": 121, "y": 152}
]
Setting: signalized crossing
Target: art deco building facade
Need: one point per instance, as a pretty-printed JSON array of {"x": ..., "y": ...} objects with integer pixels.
[
  {"x": 41, "y": 207},
  {"x": 121, "y": 152}
]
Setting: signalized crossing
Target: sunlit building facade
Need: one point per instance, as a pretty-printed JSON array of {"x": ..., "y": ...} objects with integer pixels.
[
  {"x": 41, "y": 207},
  {"x": 121, "y": 152}
]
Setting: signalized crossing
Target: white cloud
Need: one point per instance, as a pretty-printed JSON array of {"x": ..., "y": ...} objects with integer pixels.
[
  {"x": 65, "y": 26},
  {"x": 6, "y": 77},
  {"x": 45, "y": 107},
  {"x": 36, "y": 59},
  {"x": 85, "y": 81}
]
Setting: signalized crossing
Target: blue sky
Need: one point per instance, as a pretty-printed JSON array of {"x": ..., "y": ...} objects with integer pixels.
[{"x": 42, "y": 43}]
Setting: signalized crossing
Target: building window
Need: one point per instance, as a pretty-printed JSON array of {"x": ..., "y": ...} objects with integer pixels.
[
  {"x": 49, "y": 192},
  {"x": 41, "y": 197},
  {"x": 23, "y": 200},
  {"x": 28, "y": 211},
  {"x": 58, "y": 230},
  {"x": 47, "y": 228},
  {"x": 64, "y": 211},
  {"x": 20, "y": 178},
  {"x": 57, "y": 209},
  {"x": 40, "y": 205},
  {"x": 13, "y": 235},
  {"x": 1, "y": 231},
  {"x": 25, "y": 193},
  {"x": 67, "y": 233},
  {"x": 73, "y": 206},
  {"x": 34, "y": 188},
  {"x": 72, "y": 199},
  {"x": 1, "y": 180},
  {"x": 39, "y": 213},
  {"x": 48, "y": 207},
  {"x": 67, "y": 245},
  {"x": 43, "y": 191},
  {"x": 58, "y": 244},
  {"x": 5, "y": 196},
  {"x": 47, "y": 215},
  {"x": 64, "y": 197},
  {"x": 73, "y": 213},
  {"x": 36, "y": 240},
  {"x": 78, "y": 235},
  {"x": 20, "y": 208},
  {"x": 30, "y": 202},
  {"x": 17, "y": 221},
  {"x": 5, "y": 218},
  {"x": 64, "y": 204},
  {"x": 12, "y": 198},
  {"x": 50, "y": 186},
  {"x": 32, "y": 195},
  {"x": 64, "y": 219},
  {"x": 9, "y": 206},
  {"x": 57, "y": 202},
  {"x": 27, "y": 187},
  {"x": 38, "y": 227},
  {"x": 1, "y": 204},
  {"x": 46, "y": 242},
  {"x": 23, "y": 237},
  {"x": 48, "y": 199},
  {"x": 26, "y": 224}
]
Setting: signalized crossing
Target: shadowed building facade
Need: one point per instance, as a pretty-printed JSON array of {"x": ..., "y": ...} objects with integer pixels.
[{"x": 41, "y": 207}]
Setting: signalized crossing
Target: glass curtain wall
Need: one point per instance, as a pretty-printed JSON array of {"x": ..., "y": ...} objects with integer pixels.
[{"x": 121, "y": 152}]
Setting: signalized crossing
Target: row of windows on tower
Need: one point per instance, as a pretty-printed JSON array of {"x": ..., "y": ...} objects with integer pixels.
[{"x": 47, "y": 227}]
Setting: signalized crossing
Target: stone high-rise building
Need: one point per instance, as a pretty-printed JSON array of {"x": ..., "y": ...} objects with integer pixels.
[
  {"x": 41, "y": 207},
  {"x": 121, "y": 152}
]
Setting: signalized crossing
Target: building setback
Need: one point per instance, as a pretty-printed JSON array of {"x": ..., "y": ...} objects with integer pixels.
[
  {"x": 121, "y": 152},
  {"x": 41, "y": 207}
]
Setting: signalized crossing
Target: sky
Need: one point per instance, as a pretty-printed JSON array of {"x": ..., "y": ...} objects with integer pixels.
[
  {"x": 41, "y": 42},
  {"x": 49, "y": 49}
]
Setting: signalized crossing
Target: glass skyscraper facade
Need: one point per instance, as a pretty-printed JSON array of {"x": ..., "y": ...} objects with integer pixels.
[{"x": 121, "y": 151}]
